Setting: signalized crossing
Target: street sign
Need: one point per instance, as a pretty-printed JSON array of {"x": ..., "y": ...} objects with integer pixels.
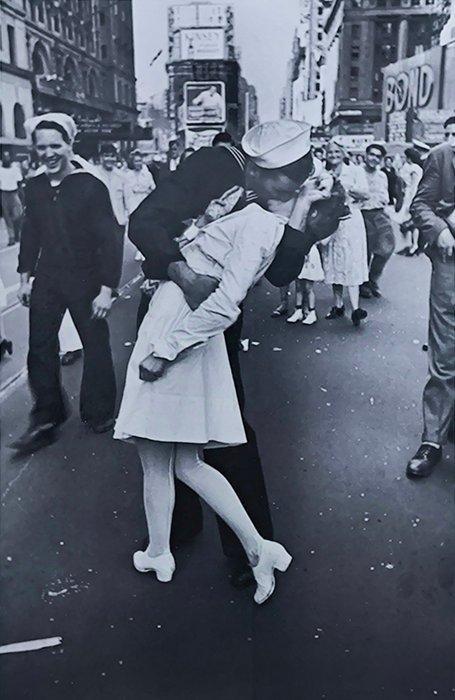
[{"x": 204, "y": 102}]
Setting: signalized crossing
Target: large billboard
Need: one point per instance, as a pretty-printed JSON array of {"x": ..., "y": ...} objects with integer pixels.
[
  {"x": 201, "y": 44},
  {"x": 204, "y": 102},
  {"x": 197, "y": 15},
  {"x": 417, "y": 96}
]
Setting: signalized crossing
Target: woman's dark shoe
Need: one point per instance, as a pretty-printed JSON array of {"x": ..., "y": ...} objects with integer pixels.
[
  {"x": 424, "y": 461},
  {"x": 357, "y": 316},
  {"x": 6, "y": 346},
  {"x": 281, "y": 310},
  {"x": 335, "y": 312},
  {"x": 69, "y": 358}
]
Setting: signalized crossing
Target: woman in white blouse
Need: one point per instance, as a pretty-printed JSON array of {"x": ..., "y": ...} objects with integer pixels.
[
  {"x": 344, "y": 255},
  {"x": 188, "y": 401}
]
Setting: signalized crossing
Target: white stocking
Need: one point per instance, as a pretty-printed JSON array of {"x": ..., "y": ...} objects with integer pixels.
[
  {"x": 218, "y": 493},
  {"x": 159, "y": 495}
]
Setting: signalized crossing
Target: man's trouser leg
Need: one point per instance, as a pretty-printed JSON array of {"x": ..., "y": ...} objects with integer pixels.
[
  {"x": 241, "y": 465},
  {"x": 380, "y": 241},
  {"x": 97, "y": 396},
  {"x": 439, "y": 392},
  {"x": 43, "y": 362},
  {"x": 187, "y": 518}
]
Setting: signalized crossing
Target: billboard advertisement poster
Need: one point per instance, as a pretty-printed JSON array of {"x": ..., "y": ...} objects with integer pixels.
[
  {"x": 205, "y": 102},
  {"x": 201, "y": 44},
  {"x": 198, "y": 139},
  {"x": 198, "y": 15}
]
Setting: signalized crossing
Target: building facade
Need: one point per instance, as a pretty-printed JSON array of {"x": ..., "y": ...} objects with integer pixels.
[
  {"x": 78, "y": 55},
  {"x": 303, "y": 97},
  {"x": 376, "y": 33},
  {"x": 206, "y": 92},
  {"x": 16, "y": 79}
]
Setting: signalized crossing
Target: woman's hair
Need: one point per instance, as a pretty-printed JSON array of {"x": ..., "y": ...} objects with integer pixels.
[
  {"x": 51, "y": 125},
  {"x": 413, "y": 155}
]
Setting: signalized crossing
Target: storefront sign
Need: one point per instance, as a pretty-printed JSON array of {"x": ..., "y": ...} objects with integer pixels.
[
  {"x": 205, "y": 102},
  {"x": 355, "y": 142}
]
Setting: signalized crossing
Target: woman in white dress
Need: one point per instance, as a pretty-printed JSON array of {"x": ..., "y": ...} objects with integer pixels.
[
  {"x": 411, "y": 174},
  {"x": 179, "y": 395},
  {"x": 344, "y": 255}
]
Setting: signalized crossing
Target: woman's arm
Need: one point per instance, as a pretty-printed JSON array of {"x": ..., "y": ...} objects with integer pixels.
[{"x": 221, "y": 308}]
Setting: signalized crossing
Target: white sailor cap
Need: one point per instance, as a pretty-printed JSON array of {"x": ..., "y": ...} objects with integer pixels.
[
  {"x": 64, "y": 120},
  {"x": 278, "y": 143}
]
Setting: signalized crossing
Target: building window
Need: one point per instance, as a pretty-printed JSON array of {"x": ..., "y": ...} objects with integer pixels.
[
  {"x": 1, "y": 120},
  {"x": 19, "y": 119},
  {"x": 103, "y": 51},
  {"x": 70, "y": 74},
  {"x": 102, "y": 19},
  {"x": 56, "y": 23},
  {"x": 354, "y": 71},
  {"x": 38, "y": 60},
  {"x": 353, "y": 92},
  {"x": 355, "y": 32},
  {"x": 70, "y": 32},
  {"x": 92, "y": 88},
  {"x": 12, "y": 44},
  {"x": 40, "y": 13}
]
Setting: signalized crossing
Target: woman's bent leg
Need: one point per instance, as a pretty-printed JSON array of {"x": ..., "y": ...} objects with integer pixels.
[
  {"x": 157, "y": 460},
  {"x": 217, "y": 492}
]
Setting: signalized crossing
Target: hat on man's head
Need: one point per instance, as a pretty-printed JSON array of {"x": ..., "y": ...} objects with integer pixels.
[
  {"x": 275, "y": 144},
  {"x": 66, "y": 122}
]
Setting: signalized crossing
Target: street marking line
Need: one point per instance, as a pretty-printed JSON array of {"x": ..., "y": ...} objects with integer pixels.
[{"x": 17, "y": 379}]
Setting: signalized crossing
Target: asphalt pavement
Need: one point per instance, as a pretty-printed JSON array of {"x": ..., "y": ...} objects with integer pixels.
[{"x": 366, "y": 611}]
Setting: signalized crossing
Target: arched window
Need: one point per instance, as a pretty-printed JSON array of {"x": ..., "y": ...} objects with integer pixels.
[
  {"x": 19, "y": 119},
  {"x": 70, "y": 74},
  {"x": 39, "y": 59},
  {"x": 92, "y": 84}
]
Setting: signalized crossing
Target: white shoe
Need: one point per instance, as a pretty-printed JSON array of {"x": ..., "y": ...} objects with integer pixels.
[
  {"x": 163, "y": 565},
  {"x": 296, "y": 316},
  {"x": 272, "y": 556},
  {"x": 310, "y": 318},
  {"x": 139, "y": 257}
]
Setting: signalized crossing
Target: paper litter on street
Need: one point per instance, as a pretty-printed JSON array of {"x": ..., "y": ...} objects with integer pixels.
[{"x": 32, "y": 645}]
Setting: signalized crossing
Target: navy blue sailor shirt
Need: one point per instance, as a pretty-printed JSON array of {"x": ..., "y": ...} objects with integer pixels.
[{"x": 70, "y": 232}]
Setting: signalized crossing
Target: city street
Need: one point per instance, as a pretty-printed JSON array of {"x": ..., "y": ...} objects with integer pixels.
[{"x": 366, "y": 611}]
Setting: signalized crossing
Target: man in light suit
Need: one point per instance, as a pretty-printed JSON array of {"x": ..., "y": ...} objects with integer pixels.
[{"x": 433, "y": 212}]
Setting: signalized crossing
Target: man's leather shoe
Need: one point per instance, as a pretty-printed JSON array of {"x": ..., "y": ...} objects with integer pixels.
[
  {"x": 365, "y": 291},
  {"x": 103, "y": 427},
  {"x": 69, "y": 358},
  {"x": 424, "y": 461},
  {"x": 35, "y": 438},
  {"x": 376, "y": 292},
  {"x": 242, "y": 576}
]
